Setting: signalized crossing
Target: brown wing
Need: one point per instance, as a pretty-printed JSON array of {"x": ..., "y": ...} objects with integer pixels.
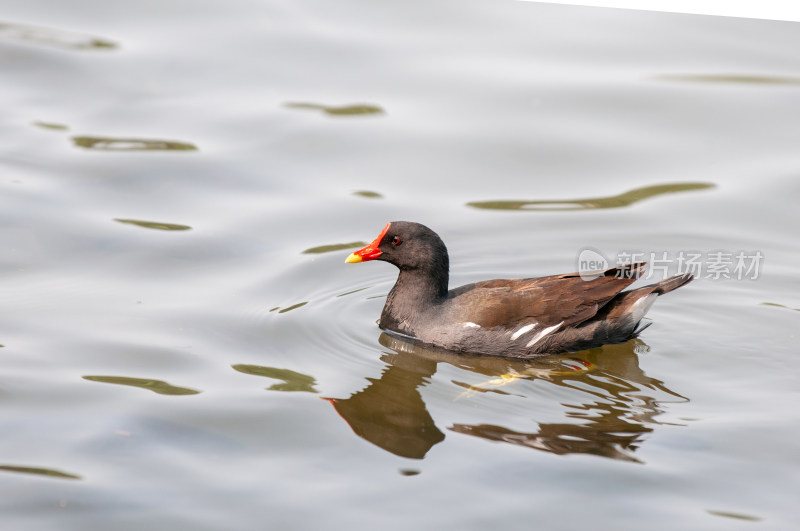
[{"x": 567, "y": 299}]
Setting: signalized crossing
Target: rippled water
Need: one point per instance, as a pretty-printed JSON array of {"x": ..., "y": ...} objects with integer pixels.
[{"x": 183, "y": 346}]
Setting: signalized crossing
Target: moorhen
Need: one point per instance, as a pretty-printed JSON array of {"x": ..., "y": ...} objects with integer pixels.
[{"x": 521, "y": 318}]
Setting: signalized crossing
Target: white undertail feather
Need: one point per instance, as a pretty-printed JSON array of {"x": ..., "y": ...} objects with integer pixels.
[{"x": 641, "y": 307}]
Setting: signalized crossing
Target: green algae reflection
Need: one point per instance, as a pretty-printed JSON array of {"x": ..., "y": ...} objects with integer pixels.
[
  {"x": 369, "y": 194},
  {"x": 52, "y": 126},
  {"x": 288, "y": 308},
  {"x": 736, "y": 516},
  {"x": 776, "y": 305},
  {"x": 102, "y": 143},
  {"x": 49, "y": 472},
  {"x": 153, "y": 224},
  {"x": 615, "y": 201},
  {"x": 334, "y": 247},
  {"x": 292, "y": 381},
  {"x": 730, "y": 79},
  {"x": 54, "y": 37},
  {"x": 157, "y": 386},
  {"x": 358, "y": 109}
]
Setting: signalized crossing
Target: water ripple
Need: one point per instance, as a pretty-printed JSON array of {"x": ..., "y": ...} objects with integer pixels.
[
  {"x": 292, "y": 380},
  {"x": 157, "y": 386},
  {"x": 157, "y": 225},
  {"x": 358, "y": 109},
  {"x": 735, "y": 79},
  {"x": 49, "y": 472},
  {"x": 55, "y": 37},
  {"x": 369, "y": 194},
  {"x": 102, "y": 143},
  {"x": 334, "y": 247},
  {"x": 614, "y": 201}
]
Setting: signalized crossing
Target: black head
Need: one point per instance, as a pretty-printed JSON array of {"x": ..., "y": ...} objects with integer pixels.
[{"x": 408, "y": 245}]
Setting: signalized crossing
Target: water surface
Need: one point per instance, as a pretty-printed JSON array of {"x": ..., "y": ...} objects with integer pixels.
[{"x": 183, "y": 346}]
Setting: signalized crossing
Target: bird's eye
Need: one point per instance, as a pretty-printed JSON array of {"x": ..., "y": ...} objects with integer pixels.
[{"x": 396, "y": 241}]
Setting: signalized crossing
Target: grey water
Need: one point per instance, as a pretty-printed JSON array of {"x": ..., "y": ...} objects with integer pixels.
[{"x": 183, "y": 346}]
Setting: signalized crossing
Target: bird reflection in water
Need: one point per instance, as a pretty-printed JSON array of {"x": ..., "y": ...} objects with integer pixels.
[
  {"x": 620, "y": 405},
  {"x": 390, "y": 412}
]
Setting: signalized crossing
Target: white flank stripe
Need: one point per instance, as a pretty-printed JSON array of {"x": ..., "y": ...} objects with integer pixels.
[
  {"x": 471, "y": 325},
  {"x": 526, "y": 328},
  {"x": 543, "y": 333}
]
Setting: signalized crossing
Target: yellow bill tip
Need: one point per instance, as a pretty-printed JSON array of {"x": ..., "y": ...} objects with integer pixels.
[{"x": 353, "y": 259}]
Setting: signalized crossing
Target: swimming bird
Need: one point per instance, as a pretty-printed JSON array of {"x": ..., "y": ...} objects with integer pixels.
[{"x": 518, "y": 318}]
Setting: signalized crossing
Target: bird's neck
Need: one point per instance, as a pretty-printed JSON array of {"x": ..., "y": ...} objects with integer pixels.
[{"x": 414, "y": 292}]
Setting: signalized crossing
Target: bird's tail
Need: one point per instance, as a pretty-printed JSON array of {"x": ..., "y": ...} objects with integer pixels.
[{"x": 669, "y": 284}]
